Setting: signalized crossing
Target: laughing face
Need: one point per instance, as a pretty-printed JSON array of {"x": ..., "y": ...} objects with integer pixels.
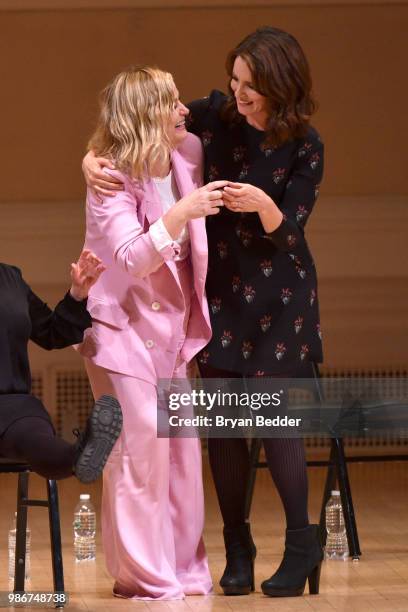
[
  {"x": 177, "y": 128},
  {"x": 250, "y": 103}
]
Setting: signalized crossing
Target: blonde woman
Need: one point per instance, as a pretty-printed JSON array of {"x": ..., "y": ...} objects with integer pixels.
[{"x": 150, "y": 317}]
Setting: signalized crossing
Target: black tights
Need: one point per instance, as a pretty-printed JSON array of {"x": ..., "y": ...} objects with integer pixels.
[
  {"x": 229, "y": 460},
  {"x": 32, "y": 440}
]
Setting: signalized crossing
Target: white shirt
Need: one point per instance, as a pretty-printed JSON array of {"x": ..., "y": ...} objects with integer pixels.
[{"x": 169, "y": 195}]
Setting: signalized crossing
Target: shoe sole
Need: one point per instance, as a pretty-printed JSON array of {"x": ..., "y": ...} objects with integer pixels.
[
  {"x": 105, "y": 426},
  {"x": 284, "y": 593},
  {"x": 236, "y": 591}
]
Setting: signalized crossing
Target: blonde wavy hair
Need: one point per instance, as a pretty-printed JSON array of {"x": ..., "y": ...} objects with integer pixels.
[{"x": 135, "y": 111}]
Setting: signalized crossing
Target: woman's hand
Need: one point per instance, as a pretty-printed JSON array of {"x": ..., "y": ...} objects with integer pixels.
[
  {"x": 243, "y": 197},
  {"x": 246, "y": 198},
  {"x": 202, "y": 202},
  {"x": 96, "y": 179},
  {"x": 84, "y": 273}
]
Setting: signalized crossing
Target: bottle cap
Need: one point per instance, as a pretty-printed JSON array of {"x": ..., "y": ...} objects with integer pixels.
[
  {"x": 335, "y": 493},
  {"x": 84, "y": 496}
]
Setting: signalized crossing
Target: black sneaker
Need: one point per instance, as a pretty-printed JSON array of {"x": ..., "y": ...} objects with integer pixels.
[{"x": 96, "y": 442}]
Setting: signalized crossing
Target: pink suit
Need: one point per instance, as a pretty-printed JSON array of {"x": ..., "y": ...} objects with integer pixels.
[{"x": 150, "y": 317}]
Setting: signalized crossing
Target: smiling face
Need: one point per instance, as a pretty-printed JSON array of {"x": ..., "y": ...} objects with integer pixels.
[
  {"x": 177, "y": 127},
  {"x": 250, "y": 103}
]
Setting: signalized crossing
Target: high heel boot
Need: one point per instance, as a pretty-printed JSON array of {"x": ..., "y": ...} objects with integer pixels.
[
  {"x": 301, "y": 561},
  {"x": 238, "y": 577}
]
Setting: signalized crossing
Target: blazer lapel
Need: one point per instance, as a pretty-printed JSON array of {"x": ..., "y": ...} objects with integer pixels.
[
  {"x": 184, "y": 183},
  {"x": 153, "y": 206},
  {"x": 196, "y": 227},
  {"x": 183, "y": 179}
]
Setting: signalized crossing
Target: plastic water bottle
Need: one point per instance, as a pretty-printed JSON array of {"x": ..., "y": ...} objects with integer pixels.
[
  {"x": 336, "y": 544},
  {"x": 12, "y": 551},
  {"x": 84, "y": 529}
]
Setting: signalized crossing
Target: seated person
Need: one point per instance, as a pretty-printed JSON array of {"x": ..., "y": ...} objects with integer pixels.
[{"x": 26, "y": 431}]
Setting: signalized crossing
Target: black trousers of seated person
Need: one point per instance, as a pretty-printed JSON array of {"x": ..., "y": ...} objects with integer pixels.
[{"x": 32, "y": 439}]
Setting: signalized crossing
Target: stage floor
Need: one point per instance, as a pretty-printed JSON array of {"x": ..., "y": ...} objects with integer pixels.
[{"x": 378, "y": 582}]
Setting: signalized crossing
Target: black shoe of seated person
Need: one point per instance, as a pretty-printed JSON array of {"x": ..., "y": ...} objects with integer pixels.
[{"x": 94, "y": 445}]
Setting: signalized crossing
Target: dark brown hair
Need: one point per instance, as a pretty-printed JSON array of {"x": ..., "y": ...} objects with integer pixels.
[{"x": 280, "y": 72}]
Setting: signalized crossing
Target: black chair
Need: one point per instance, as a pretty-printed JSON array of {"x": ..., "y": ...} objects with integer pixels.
[
  {"x": 23, "y": 502},
  {"x": 337, "y": 471}
]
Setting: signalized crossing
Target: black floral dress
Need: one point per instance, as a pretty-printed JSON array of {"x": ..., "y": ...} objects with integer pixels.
[{"x": 261, "y": 288}]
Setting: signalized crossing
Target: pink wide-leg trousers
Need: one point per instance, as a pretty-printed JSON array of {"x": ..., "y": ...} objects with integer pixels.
[{"x": 153, "y": 502}]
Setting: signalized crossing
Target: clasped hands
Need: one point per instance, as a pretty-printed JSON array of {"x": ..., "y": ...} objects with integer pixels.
[{"x": 245, "y": 198}]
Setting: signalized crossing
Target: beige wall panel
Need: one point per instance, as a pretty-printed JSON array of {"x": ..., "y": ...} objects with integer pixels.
[
  {"x": 69, "y": 5},
  {"x": 53, "y": 63}
]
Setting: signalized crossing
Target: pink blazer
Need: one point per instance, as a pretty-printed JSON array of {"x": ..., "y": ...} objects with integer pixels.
[{"x": 137, "y": 305}]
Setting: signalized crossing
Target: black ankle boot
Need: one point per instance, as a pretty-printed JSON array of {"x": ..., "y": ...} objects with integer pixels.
[
  {"x": 238, "y": 577},
  {"x": 302, "y": 560},
  {"x": 94, "y": 445}
]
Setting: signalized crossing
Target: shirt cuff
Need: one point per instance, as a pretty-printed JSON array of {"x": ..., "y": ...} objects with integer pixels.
[
  {"x": 75, "y": 312},
  {"x": 73, "y": 303},
  {"x": 162, "y": 241}
]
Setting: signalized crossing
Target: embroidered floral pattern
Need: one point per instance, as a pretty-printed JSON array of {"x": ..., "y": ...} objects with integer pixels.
[
  {"x": 222, "y": 249},
  {"x": 267, "y": 150},
  {"x": 247, "y": 349},
  {"x": 305, "y": 149},
  {"x": 236, "y": 282},
  {"x": 280, "y": 351},
  {"x": 215, "y": 304},
  {"x": 245, "y": 237},
  {"x": 244, "y": 172},
  {"x": 314, "y": 161},
  {"x": 286, "y": 295},
  {"x": 265, "y": 322},
  {"x": 301, "y": 214},
  {"x": 249, "y": 293},
  {"x": 206, "y": 137},
  {"x": 304, "y": 351},
  {"x": 278, "y": 175},
  {"x": 203, "y": 358},
  {"x": 266, "y": 267},
  {"x": 226, "y": 339},
  {"x": 298, "y": 324},
  {"x": 312, "y": 297},
  {"x": 213, "y": 173},
  {"x": 238, "y": 153}
]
